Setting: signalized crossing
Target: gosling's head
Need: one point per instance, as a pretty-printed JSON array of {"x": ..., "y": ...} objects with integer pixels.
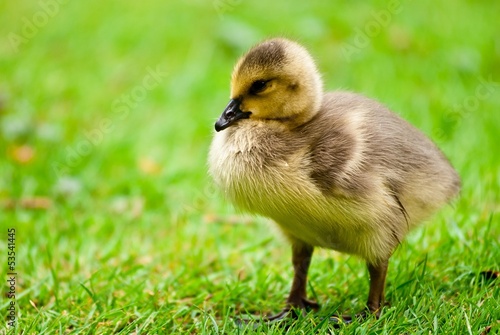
[{"x": 276, "y": 80}]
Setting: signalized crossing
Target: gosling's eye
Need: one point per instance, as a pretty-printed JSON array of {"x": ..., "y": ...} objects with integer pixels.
[{"x": 258, "y": 86}]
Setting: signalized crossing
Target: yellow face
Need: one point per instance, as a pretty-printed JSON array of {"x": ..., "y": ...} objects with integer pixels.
[
  {"x": 276, "y": 80},
  {"x": 267, "y": 95}
]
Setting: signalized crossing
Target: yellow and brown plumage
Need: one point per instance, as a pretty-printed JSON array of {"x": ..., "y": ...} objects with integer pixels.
[{"x": 334, "y": 170}]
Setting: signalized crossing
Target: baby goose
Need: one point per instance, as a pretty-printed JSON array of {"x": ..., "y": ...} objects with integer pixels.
[{"x": 333, "y": 170}]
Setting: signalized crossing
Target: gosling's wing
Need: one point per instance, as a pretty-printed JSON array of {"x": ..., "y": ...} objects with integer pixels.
[
  {"x": 362, "y": 149},
  {"x": 337, "y": 147}
]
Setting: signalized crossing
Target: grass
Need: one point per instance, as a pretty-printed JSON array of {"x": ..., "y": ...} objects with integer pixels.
[{"x": 103, "y": 173}]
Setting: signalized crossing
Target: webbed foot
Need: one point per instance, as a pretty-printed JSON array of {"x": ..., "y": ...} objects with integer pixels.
[{"x": 290, "y": 313}]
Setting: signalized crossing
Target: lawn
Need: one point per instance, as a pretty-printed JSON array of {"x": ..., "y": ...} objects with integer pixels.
[{"x": 106, "y": 116}]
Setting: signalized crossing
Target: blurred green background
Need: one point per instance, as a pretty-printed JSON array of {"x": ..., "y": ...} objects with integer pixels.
[{"x": 106, "y": 116}]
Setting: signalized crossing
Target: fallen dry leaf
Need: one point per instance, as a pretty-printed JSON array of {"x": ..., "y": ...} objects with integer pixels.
[
  {"x": 23, "y": 154},
  {"x": 27, "y": 203},
  {"x": 488, "y": 329},
  {"x": 149, "y": 166}
]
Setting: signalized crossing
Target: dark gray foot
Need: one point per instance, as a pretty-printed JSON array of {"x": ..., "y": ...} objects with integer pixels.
[
  {"x": 289, "y": 313},
  {"x": 346, "y": 319}
]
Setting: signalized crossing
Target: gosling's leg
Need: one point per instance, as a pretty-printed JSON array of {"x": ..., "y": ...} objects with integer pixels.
[
  {"x": 297, "y": 301},
  {"x": 378, "y": 273}
]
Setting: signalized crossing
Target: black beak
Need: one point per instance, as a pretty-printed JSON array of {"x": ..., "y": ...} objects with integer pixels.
[{"x": 231, "y": 114}]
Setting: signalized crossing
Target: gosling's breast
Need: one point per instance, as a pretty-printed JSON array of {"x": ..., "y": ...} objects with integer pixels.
[{"x": 257, "y": 168}]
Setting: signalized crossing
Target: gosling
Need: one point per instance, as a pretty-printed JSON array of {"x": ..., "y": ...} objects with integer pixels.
[{"x": 334, "y": 170}]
